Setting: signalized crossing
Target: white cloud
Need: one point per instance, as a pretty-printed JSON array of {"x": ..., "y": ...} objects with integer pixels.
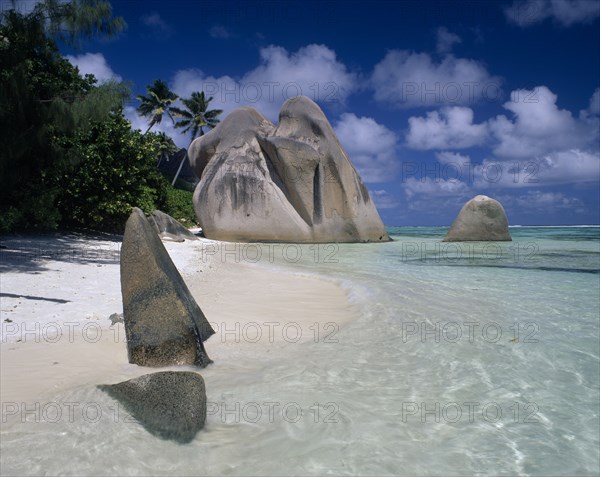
[
  {"x": 157, "y": 24},
  {"x": 371, "y": 147},
  {"x": 94, "y": 63},
  {"x": 224, "y": 90},
  {"x": 448, "y": 128},
  {"x": 427, "y": 193},
  {"x": 406, "y": 79},
  {"x": 564, "y": 12},
  {"x": 536, "y": 199},
  {"x": 313, "y": 71},
  {"x": 560, "y": 167},
  {"x": 539, "y": 126},
  {"x": 446, "y": 40},
  {"x": 435, "y": 187},
  {"x": 219, "y": 32},
  {"x": 594, "y": 107},
  {"x": 383, "y": 199},
  {"x": 536, "y": 128},
  {"x": 446, "y": 157},
  {"x": 567, "y": 167}
]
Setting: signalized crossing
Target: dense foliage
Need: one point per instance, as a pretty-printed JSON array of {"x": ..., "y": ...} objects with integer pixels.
[
  {"x": 114, "y": 168},
  {"x": 179, "y": 205},
  {"x": 68, "y": 157}
]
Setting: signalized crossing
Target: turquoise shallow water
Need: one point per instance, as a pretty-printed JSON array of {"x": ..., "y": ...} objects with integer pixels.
[{"x": 467, "y": 359}]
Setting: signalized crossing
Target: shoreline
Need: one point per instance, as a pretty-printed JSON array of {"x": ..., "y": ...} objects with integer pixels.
[{"x": 59, "y": 292}]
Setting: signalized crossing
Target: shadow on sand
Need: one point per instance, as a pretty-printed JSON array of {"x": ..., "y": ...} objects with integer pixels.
[{"x": 31, "y": 253}]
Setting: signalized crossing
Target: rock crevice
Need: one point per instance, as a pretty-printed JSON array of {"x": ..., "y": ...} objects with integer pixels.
[{"x": 291, "y": 183}]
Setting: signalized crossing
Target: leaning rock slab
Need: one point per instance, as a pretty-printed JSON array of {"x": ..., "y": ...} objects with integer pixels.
[
  {"x": 167, "y": 227},
  {"x": 480, "y": 219},
  {"x": 163, "y": 323},
  {"x": 170, "y": 405},
  {"x": 288, "y": 183}
]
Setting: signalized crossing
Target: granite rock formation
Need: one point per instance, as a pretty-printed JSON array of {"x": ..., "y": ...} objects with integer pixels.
[
  {"x": 167, "y": 227},
  {"x": 480, "y": 219},
  {"x": 163, "y": 323},
  {"x": 287, "y": 183}
]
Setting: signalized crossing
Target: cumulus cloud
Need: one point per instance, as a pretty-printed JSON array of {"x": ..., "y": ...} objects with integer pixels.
[
  {"x": 425, "y": 195},
  {"x": 383, "y": 199},
  {"x": 448, "y": 128},
  {"x": 94, "y": 63},
  {"x": 313, "y": 71},
  {"x": 406, "y": 79},
  {"x": 371, "y": 147},
  {"x": 556, "y": 168},
  {"x": 446, "y": 40},
  {"x": 435, "y": 187},
  {"x": 158, "y": 26},
  {"x": 224, "y": 90},
  {"x": 567, "y": 167},
  {"x": 538, "y": 126},
  {"x": 446, "y": 157},
  {"x": 566, "y": 13},
  {"x": 594, "y": 107},
  {"x": 535, "y": 200}
]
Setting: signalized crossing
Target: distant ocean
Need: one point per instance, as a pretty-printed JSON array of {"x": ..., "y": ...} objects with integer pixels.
[{"x": 467, "y": 359}]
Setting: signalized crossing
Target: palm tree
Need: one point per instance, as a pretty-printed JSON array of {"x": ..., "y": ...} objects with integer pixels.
[
  {"x": 157, "y": 103},
  {"x": 165, "y": 147},
  {"x": 195, "y": 117}
]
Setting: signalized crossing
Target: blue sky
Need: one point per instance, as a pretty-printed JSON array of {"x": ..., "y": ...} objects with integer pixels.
[{"x": 434, "y": 101}]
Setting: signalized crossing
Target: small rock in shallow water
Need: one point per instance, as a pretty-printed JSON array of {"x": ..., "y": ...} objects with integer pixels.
[
  {"x": 169, "y": 404},
  {"x": 481, "y": 219}
]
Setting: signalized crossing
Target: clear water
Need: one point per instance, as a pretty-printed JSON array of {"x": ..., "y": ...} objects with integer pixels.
[{"x": 467, "y": 359}]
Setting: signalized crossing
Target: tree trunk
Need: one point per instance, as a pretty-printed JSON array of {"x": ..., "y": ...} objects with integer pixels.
[{"x": 179, "y": 170}]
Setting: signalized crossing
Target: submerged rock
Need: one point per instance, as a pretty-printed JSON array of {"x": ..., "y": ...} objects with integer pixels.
[
  {"x": 163, "y": 323},
  {"x": 170, "y": 404},
  {"x": 167, "y": 227},
  {"x": 289, "y": 183},
  {"x": 480, "y": 219}
]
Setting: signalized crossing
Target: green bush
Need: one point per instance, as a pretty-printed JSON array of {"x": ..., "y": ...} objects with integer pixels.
[
  {"x": 10, "y": 218},
  {"x": 178, "y": 204},
  {"x": 111, "y": 169},
  {"x": 36, "y": 211}
]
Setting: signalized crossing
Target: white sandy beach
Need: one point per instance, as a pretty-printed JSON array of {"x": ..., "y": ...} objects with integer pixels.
[{"x": 57, "y": 293}]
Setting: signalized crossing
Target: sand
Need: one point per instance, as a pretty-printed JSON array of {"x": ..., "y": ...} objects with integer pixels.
[{"x": 58, "y": 292}]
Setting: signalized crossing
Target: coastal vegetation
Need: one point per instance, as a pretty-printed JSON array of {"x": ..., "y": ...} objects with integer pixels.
[{"x": 69, "y": 157}]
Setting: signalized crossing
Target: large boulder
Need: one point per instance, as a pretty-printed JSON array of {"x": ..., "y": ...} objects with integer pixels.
[
  {"x": 480, "y": 219},
  {"x": 170, "y": 405},
  {"x": 287, "y": 183},
  {"x": 167, "y": 227},
  {"x": 163, "y": 323}
]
